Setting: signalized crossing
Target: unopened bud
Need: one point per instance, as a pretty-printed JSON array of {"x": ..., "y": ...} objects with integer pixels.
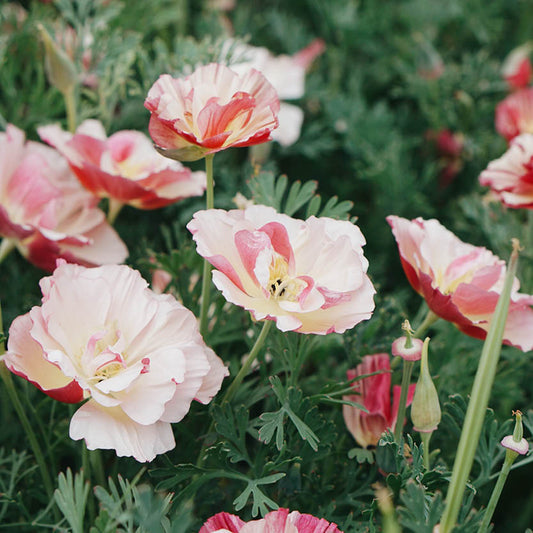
[
  {"x": 516, "y": 442},
  {"x": 425, "y": 409},
  {"x": 60, "y": 70}
]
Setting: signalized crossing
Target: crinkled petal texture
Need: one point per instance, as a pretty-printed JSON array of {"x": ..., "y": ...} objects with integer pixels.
[
  {"x": 514, "y": 114},
  {"x": 374, "y": 394},
  {"x": 46, "y": 212},
  {"x": 460, "y": 282},
  {"x": 309, "y": 276},
  {"x": 279, "y": 521},
  {"x": 124, "y": 167},
  {"x": 212, "y": 109},
  {"x": 101, "y": 334},
  {"x": 511, "y": 176}
]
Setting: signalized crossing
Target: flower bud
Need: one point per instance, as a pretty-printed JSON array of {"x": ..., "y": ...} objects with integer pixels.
[
  {"x": 516, "y": 442},
  {"x": 60, "y": 70},
  {"x": 425, "y": 409}
]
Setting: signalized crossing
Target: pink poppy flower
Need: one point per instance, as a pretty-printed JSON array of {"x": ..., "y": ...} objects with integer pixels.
[
  {"x": 309, "y": 276},
  {"x": 374, "y": 393},
  {"x": 511, "y": 176},
  {"x": 285, "y": 73},
  {"x": 45, "y": 212},
  {"x": 460, "y": 282},
  {"x": 212, "y": 109},
  {"x": 516, "y": 68},
  {"x": 514, "y": 115},
  {"x": 124, "y": 167},
  {"x": 137, "y": 357},
  {"x": 279, "y": 521}
]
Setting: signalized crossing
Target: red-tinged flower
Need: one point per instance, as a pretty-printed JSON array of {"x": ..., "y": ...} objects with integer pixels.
[
  {"x": 511, "y": 176},
  {"x": 137, "y": 357},
  {"x": 514, "y": 115},
  {"x": 46, "y": 213},
  {"x": 374, "y": 394},
  {"x": 460, "y": 282},
  {"x": 516, "y": 68},
  {"x": 212, "y": 109},
  {"x": 449, "y": 147},
  {"x": 309, "y": 276},
  {"x": 279, "y": 521},
  {"x": 124, "y": 167}
]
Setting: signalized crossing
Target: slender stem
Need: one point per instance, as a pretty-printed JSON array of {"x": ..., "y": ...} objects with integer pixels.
[
  {"x": 70, "y": 105},
  {"x": 428, "y": 321},
  {"x": 248, "y": 363},
  {"x": 496, "y": 493},
  {"x": 113, "y": 210},
  {"x": 425, "y": 437},
  {"x": 406, "y": 381},
  {"x": 479, "y": 398},
  {"x": 206, "y": 278},
  {"x": 5, "y": 374},
  {"x": 5, "y": 248}
]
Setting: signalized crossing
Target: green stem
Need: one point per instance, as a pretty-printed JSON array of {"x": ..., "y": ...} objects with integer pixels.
[
  {"x": 406, "y": 381},
  {"x": 206, "y": 278},
  {"x": 248, "y": 363},
  {"x": 425, "y": 437},
  {"x": 479, "y": 398},
  {"x": 70, "y": 105},
  {"x": 428, "y": 321},
  {"x": 5, "y": 248},
  {"x": 496, "y": 492}
]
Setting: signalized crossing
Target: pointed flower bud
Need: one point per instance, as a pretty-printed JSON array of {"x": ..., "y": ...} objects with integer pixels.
[
  {"x": 60, "y": 70},
  {"x": 516, "y": 442},
  {"x": 407, "y": 347},
  {"x": 425, "y": 409}
]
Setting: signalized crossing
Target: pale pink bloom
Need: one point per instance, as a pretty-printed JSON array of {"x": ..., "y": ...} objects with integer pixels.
[
  {"x": 285, "y": 73},
  {"x": 160, "y": 280},
  {"x": 460, "y": 282},
  {"x": 514, "y": 114},
  {"x": 136, "y": 356},
  {"x": 212, "y": 109},
  {"x": 124, "y": 167},
  {"x": 279, "y": 521},
  {"x": 309, "y": 276},
  {"x": 516, "y": 68},
  {"x": 511, "y": 176},
  {"x": 45, "y": 212},
  {"x": 374, "y": 394}
]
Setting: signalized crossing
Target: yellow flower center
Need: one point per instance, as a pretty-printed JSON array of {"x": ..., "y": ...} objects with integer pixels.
[{"x": 281, "y": 285}]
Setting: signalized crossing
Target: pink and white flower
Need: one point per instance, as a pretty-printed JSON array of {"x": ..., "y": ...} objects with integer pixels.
[
  {"x": 124, "y": 167},
  {"x": 514, "y": 114},
  {"x": 212, "y": 109},
  {"x": 137, "y": 357},
  {"x": 511, "y": 176},
  {"x": 309, "y": 276},
  {"x": 285, "y": 73},
  {"x": 460, "y": 282},
  {"x": 45, "y": 212},
  {"x": 374, "y": 394},
  {"x": 279, "y": 521},
  {"x": 516, "y": 68}
]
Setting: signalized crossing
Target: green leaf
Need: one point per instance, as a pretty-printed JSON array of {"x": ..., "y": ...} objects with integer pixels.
[
  {"x": 260, "y": 502},
  {"x": 71, "y": 498},
  {"x": 273, "y": 424}
]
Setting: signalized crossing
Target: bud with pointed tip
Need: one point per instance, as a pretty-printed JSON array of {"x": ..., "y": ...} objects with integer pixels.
[{"x": 425, "y": 409}]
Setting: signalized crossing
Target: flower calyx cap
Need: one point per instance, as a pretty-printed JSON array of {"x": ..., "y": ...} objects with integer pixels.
[
  {"x": 516, "y": 442},
  {"x": 407, "y": 347}
]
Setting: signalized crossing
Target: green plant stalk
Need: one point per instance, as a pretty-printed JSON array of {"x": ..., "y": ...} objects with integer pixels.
[
  {"x": 206, "y": 277},
  {"x": 70, "y": 106},
  {"x": 479, "y": 398},
  {"x": 230, "y": 392},
  {"x": 425, "y": 438},
  {"x": 406, "y": 381},
  {"x": 428, "y": 321},
  {"x": 113, "y": 210},
  {"x": 5, "y": 248},
  {"x": 510, "y": 457}
]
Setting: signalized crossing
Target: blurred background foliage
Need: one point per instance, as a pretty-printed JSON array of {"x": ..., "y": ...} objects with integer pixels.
[{"x": 393, "y": 75}]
